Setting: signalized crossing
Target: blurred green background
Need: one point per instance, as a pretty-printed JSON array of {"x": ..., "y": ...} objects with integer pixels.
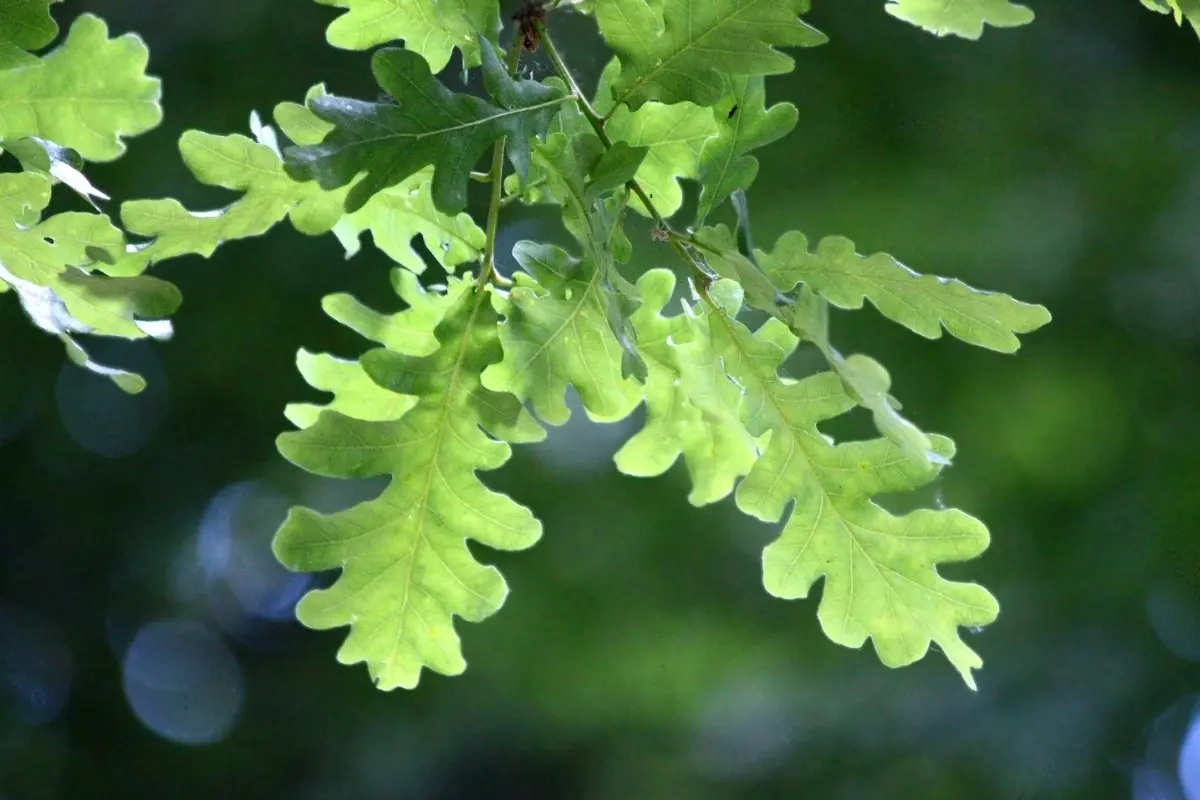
[{"x": 146, "y": 641}]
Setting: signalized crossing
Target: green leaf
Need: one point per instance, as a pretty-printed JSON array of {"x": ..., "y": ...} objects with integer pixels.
[
  {"x": 691, "y": 405},
  {"x": 557, "y": 335},
  {"x": 431, "y": 28},
  {"x": 880, "y": 570},
  {"x": 394, "y": 216},
  {"x": 1179, "y": 9},
  {"x": 60, "y": 163},
  {"x": 744, "y": 124},
  {"x": 48, "y": 263},
  {"x": 242, "y": 165},
  {"x": 406, "y": 569},
  {"x": 921, "y": 303},
  {"x": 964, "y": 18},
  {"x": 410, "y": 332},
  {"x": 398, "y": 214},
  {"x": 87, "y": 94},
  {"x": 678, "y": 50},
  {"x": 24, "y": 25},
  {"x": 673, "y": 136},
  {"x": 719, "y": 252},
  {"x": 428, "y": 126},
  {"x": 616, "y": 167}
]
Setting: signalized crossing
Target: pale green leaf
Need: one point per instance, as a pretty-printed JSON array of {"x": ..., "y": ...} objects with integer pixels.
[
  {"x": 49, "y": 263},
  {"x": 965, "y": 18},
  {"x": 557, "y": 335},
  {"x": 679, "y": 50},
  {"x": 431, "y": 28},
  {"x": 410, "y": 332},
  {"x": 87, "y": 94},
  {"x": 428, "y": 126},
  {"x": 744, "y": 124},
  {"x": 673, "y": 136},
  {"x": 242, "y": 165},
  {"x": 691, "y": 405},
  {"x": 880, "y": 570},
  {"x": 405, "y": 567},
  {"x": 922, "y": 303}
]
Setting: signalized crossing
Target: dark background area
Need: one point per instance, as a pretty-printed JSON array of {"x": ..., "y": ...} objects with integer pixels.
[{"x": 147, "y": 647}]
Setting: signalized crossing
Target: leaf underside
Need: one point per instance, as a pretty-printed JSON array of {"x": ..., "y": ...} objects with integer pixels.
[{"x": 965, "y": 18}]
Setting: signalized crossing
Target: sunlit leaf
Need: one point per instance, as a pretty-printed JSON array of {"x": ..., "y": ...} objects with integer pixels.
[
  {"x": 87, "y": 94},
  {"x": 880, "y": 570},
  {"x": 405, "y": 567},
  {"x": 680, "y": 50},
  {"x": 965, "y": 18},
  {"x": 431, "y": 28}
]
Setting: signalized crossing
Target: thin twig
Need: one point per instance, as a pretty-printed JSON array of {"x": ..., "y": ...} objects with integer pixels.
[{"x": 495, "y": 177}]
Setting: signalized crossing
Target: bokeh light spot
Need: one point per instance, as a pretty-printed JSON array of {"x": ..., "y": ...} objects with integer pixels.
[{"x": 183, "y": 682}]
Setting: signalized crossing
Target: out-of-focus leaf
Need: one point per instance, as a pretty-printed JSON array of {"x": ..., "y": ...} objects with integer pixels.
[
  {"x": 24, "y": 25},
  {"x": 965, "y": 18},
  {"x": 431, "y": 28}
]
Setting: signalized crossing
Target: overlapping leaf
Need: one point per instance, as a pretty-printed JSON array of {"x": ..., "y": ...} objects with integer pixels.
[
  {"x": 427, "y": 126},
  {"x": 406, "y": 569},
  {"x": 410, "y": 332},
  {"x": 965, "y": 18},
  {"x": 880, "y": 570},
  {"x": 691, "y": 405},
  {"x": 24, "y": 25},
  {"x": 744, "y": 124},
  {"x": 431, "y": 28},
  {"x": 557, "y": 334},
  {"x": 49, "y": 263},
  {"x": 87, "y": 94},
  {"x": 677, "y": 50},
  {"x": 922, "y": 303}
]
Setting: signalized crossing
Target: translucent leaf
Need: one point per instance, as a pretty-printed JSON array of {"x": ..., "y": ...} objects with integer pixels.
[
  {"x": 87, "y": 94},
  {"x": 49, "y": 262},
  {"x": 428, "y": 125},
  {"x": 744, "y": 124},
  {"x": 922, "y": 303},
  {"x": 673, "y": 137},
  {"x": 24, "y": 25},
  {"x": 964, "y": 18},
  {"x": 880, "y": 570},
  {"x": 431, "y": 28},
  {"x": 240, "y": 164},
  {"x": 410, "y": 332},
  {"x": 557, "y": 335},
  {"x": 691, "y": 405},
  {"x": 678, "y": 50},
  {"x": 405, "y": 567},
  {"x": 1180, "y": 9}
]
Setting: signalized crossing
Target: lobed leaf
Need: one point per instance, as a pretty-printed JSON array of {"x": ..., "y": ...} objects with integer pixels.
[
  {"x": 880, "y": 570},
  {"x": 965, "y": 18},
  {"x": 405, "y": 567},
  {"x": 691, "y": 405},
  {"x": 24, "y": 25},
  {"x": 679, "y": 50},
  {"x": 427, "y": 126},
  {"x": 50, "y": 264},
  {"x": 744, "y": 124},
  {"x": 922, "y": 303},
  {"x": 430, "y": 28},
  {"x": 557, "y": 334},
  {"x": 87, "y": 94}
]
